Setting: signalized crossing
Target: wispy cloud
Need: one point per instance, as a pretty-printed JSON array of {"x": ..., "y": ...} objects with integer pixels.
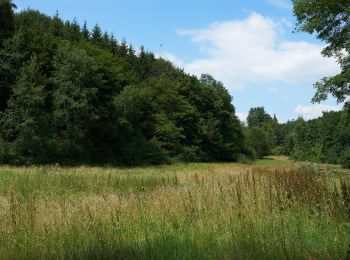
[
  {"x": 170, "y": 57},
  {"x": 281, "y": 3},
  {"x": 242, "y": 116},
  {"x": 252, "y": 50},
  {"x": 314, "y": 111},
  {"x": 273, "y": 90}
]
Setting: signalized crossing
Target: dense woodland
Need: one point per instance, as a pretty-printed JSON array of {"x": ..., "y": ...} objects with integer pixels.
[
  {"x": 325, "y": 139},
  {"x": 71, "y": 95}
]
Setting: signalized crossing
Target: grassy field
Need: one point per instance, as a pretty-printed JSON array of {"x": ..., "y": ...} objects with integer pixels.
[{"x": 273, "y": 209}]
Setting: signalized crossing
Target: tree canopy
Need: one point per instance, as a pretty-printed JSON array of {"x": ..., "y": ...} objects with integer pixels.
[
  {"x": 69, "y": 95},
  {"x": 330, "y": 21}
]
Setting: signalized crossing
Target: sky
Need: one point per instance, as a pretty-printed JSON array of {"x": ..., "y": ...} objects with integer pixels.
[{"x": 249, "y": 45}]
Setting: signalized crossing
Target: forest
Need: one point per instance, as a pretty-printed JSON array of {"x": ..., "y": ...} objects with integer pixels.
[
  {"x": 109, "y": 152},
  {"x": 69, "y": 95}
]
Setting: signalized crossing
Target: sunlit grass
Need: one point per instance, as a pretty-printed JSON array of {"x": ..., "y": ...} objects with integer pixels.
[{"x": 270, "y": 210}]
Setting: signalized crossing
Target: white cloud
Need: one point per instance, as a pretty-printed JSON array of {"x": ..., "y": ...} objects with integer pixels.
[
  {"x": 281, "y": 3},
  {"x": 310, "y": 112},
  {"x": 170, "y": 57},
  {"x": 246, "y": 51},
  {"x": 242, "y": 116},
  {"x": 272, "y": 89},
  {"x": 19, "y": 9}
]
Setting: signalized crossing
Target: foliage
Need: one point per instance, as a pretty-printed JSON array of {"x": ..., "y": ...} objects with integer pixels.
[
  {"x": 324, "y": 139},
  {"x": 330, "y": 21},
  {"x": 257, "y": 139},
  {"x": 257, "y": 117},
  {"x": 184, "y": 211},
  {"x": 345, "y": 158},
  {"x": 69, "y": 95},
  {"x": 6, "y": 19}
]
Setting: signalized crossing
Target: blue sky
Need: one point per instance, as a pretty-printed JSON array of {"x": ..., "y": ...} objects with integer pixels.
[{"x": 247, "y": 44}]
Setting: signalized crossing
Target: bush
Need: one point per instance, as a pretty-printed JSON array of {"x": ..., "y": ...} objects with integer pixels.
[
  {"x": 249, "y": 153},
  {"x": 257, "y": 139},
  {"x": 244, "y": 159},
  {"x": 345, "y": 158},
  {"x": 190, "y": 154},
  {"x": 277, "y": 150},
  {"x": 2, "y": 151},
  {"x": 139, "y": 151}
]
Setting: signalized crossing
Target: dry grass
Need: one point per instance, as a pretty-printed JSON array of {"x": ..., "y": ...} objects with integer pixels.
[{"x": 195, "y": 211}]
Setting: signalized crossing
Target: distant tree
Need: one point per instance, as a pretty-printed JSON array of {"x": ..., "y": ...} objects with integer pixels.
[
  {"x": 75, "y": 80},
  {"x": 257, "y": 117},
  {"x": 257, "y": 139},
  {"x": 105, "y": 41},
  {"x": 301, "y": 140},
  {"x": 330, "y": 21},
  {"x": 7, "y": 24},
  {"x": 96, "y": 35},
  {"x": 275, "y": 120},
  {"x": 345, "y": 158},
  {"x": 222, "y": 132},
  {"x": 114, "y": 44},
  {"x": 25, "y": 122},
  {"x": 144, "y": 64},
  {"x": 270, "y": 130},
  {"x": 63, "y": 99},
  {"x": 74, "y": 30},
  {"x": 85, "y": 31},
  {"x": 123, "y": 49},
  {"x": 57, "y": 25}
]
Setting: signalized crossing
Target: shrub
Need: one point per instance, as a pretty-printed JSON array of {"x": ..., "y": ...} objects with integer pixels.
[
  {"x": 244, "y": 159},
  {"x": 345, "y": 158},
  {"x": 190, "y": 154},
  {"x": 277, "y": 150}
]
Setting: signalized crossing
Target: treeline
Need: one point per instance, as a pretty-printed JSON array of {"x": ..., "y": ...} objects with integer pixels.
[
  {"x": 70, "y": 95},
  {"x": 325, "y": 139}
]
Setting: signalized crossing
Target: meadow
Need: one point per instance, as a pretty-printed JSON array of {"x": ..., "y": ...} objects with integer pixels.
[{"x": 272, "y": 209}]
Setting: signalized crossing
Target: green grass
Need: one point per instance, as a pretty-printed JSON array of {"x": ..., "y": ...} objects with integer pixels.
[{"x": 273, "y": 209}]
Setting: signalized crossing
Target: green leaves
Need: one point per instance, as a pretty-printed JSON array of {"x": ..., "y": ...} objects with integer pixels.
[
  {"x": 83, "y": 97},
  {"x": 257, "y": 139},
  {"x": 75, "y": 84},
  {"x": 330, "y": 21},
  {"x": 25, "y": 121},
  {"x": 7, "y": 26}
]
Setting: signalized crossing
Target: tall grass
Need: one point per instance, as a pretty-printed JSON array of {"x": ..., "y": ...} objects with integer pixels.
[{"x": 195, "y": 211}]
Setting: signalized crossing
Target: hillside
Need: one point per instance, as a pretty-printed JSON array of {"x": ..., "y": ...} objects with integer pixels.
[{"x": 69, "y": 95}]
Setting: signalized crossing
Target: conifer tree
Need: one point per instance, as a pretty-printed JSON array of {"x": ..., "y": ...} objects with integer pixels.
[
  {"x": 114, "y": 44},
  {"x": 57, "y": 25},
  {"x": 105, "y": 42},
  {"x": 85, "y": 31},
  {"x": 25, "y": 122},
  {"x": 76, "y": 81},
  {"x": 75, "y": 30},
  {"x": 6, "y": 19},
  {"x": 123, "y": 49},
  {"x": 96, "y": 35}
]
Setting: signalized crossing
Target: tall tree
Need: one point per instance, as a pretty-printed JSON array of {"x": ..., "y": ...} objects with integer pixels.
[
  {"x": 330, "y": 20},
  {"x": 96, "y": 35},
  {"x": 25, "y": 122},
  {"x": 85, "y": 31},
  {"x": 56, "y": 26},
  {"x": 257, "y": 139},
  {"x": 75, "y": 81},
  {"x": 257, "y": 117},
  {"x": 66, "y": 99},
  {"x": 72, "y": 31},
  {"x": 6, "y": 19}
]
